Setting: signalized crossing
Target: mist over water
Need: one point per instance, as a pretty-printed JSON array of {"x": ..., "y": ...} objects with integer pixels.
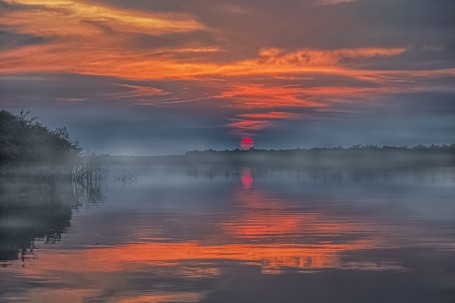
[{"x": 175, "y": 233}]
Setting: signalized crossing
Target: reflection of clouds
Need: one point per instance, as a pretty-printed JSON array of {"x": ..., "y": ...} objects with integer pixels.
[
  {"x": 179, "y": 254},
  {"x": 191, "y": 258},
  {"x": 164, "y": 297},
  {"x": 299, "y": 239},
  {"x": 264, "y": 232}
]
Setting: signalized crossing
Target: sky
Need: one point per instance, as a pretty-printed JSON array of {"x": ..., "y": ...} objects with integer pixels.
[{"x": 153, "y": 77}]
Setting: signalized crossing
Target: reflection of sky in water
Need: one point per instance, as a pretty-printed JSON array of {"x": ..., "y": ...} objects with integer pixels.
[{"x": 189, "y": 235}]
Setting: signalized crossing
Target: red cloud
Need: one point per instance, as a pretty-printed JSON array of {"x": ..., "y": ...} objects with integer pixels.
[
  {"x": 260, "y": 96},
  {"x": 251, "y": 125},
  {"x": 272, "y": 115}
]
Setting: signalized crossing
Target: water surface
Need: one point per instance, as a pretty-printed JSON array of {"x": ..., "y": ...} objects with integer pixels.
[{"x": 153, "y": 233}]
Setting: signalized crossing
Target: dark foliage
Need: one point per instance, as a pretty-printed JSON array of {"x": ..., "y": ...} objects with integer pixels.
[
  {"x": 355, "y": 157},
  {"x": 24, "y": 142},
  {"x": 335, "y": 157},
  {"x": 43, "y": 178}
]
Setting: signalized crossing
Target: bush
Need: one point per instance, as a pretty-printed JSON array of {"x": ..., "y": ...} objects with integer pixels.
[{"x": 24, "y": 141}]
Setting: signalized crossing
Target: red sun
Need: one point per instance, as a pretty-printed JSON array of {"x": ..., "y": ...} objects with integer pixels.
[{"x": 246, "y": 144}]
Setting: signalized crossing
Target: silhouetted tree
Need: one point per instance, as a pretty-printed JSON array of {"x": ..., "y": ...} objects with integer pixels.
[{"x": 25, "y": 141}]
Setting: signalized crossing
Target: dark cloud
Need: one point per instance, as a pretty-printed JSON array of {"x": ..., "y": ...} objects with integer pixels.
[
  {"x": 89, "y": 107},
  {"x": 105, "y": 28},
  {"x": 295, "y": 23},
  {"x": 9, "y": 40},
  {"x": 53, "y": 86},
  {"x": 423, "y": 57},
  {"x": 404, "y": 119},
  {"x": 13, "y": 6}
]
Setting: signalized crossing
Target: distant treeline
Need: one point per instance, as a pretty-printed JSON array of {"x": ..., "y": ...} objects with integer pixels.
[
  {"x": 358, "y": 147},
  {"x": 23, "y": 141},
  {"x": 357, "y": 156}
]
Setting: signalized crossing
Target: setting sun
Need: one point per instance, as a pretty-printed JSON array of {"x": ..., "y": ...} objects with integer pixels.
[{"x": 246, "y": 144}]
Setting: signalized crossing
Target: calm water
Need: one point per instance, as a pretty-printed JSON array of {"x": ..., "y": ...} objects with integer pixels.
[{"x": 176, "y": 234}]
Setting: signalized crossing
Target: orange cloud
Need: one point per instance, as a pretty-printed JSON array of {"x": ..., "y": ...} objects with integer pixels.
[
  {"x": 312, "y": 57},
  {"x": 260, "y": 96},
  {"x": 242, "y": 126},
  {"x": 90, "y": 38},
  {"x": 260, "y": 121},
  {"x": 276, "y": 62},
  {"x": 272, "y": 115},
  {"x": 79, "y": 18},
  {"x": 163, "y": 298},
  {"x": 139, "y": 91}
]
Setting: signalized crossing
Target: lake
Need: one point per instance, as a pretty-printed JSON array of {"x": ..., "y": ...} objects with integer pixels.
[{"x": 170, "y": 233}]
